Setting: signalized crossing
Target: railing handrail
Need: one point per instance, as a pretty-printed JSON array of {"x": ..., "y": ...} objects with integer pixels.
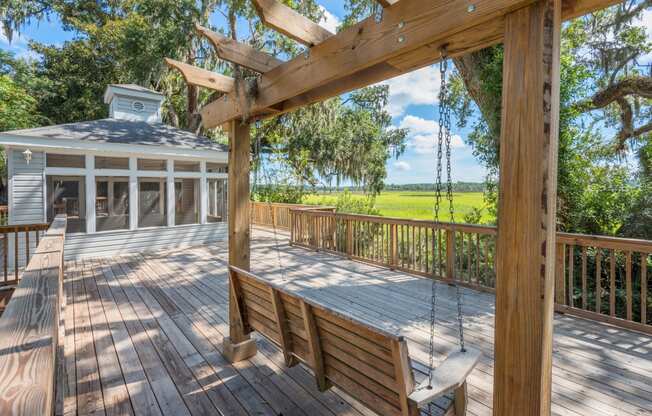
[
  {"x": 19, "y": 228},
  {"x": 29, "y": 331}
]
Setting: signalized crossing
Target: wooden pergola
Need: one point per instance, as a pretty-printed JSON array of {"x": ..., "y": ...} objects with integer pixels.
[{"x": 407, "y": 35}]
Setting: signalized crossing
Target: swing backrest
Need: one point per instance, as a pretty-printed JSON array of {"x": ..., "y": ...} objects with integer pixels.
[{"x": 366, "y": 362}]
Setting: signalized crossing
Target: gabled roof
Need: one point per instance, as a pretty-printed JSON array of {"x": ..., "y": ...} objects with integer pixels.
[{"x": 113, "y": 131}]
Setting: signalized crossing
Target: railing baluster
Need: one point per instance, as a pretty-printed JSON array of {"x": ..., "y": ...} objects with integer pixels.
[
  {"x": 571, "y": 275},
  {"x": 598, "y": 283},
  {"x": 612, "y": 282},
  {"x": 16, "y": 254},
  {"x": 644, "y": 288},
  {"x": 628, "y": 284},
  {"x": 584, "y": 282},
  {"x": 469, "y": 274},
  {"x": 5, "y": 254}
]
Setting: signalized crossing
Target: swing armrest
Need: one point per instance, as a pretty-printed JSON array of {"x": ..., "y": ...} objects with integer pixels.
[{"x": 448, "y": 376}]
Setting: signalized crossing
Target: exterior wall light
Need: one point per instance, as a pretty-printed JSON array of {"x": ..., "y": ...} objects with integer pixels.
[{"x": 28, "y": 156}]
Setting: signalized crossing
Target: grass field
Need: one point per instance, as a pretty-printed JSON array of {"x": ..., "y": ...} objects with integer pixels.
[{"x": 414, "y": 204}]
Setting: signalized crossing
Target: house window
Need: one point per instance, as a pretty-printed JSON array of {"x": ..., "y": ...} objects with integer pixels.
[
  {"x": 54, "y": 160},
  {"x": 186, "y": 197},
  {"x": 103, "y": 162},
  {"x": 152, "y": 164},
  {"x": 182, "y": 166},
  {"x": 152, "y": 204},
  {"x": 217, "y": 200},
  {"x": 217, "y": 167},
  {"x": 112, "y": 203},
  {"x": 66, "y": 195}
]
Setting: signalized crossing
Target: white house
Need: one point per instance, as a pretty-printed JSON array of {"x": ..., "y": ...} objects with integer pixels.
[{"x": 128, "y": 183}]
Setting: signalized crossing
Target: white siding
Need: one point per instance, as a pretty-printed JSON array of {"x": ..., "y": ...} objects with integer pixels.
[
  {"x": 27, "y": 188},
  {"x": 25, "y": 200},
  {"x": 142, "y": 240},
  {"x": 122, "y": 108}
]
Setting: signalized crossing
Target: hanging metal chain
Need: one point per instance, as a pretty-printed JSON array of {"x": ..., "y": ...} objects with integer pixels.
[
  {"x": 445, "y": 127},
  {"x": 438, "y": 199},
  {"x": 443, "y": 139}
]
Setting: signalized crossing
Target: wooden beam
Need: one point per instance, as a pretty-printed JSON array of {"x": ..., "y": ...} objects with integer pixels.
[
  {"x": 525, "y": 263},
  {"x": 314, "y": 346},
  {"x": 282, "y": 327},
  {"x": 369, "y": 52},
  {"x": 386, "y": 3},
  {"x": 239, "y": 53},
  {"x": 202, "y": 77},
  {"x": 292, "y": 24}
]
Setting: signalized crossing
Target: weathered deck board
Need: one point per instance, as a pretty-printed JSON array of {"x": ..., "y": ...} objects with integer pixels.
[{"x": 143, "y": 336}]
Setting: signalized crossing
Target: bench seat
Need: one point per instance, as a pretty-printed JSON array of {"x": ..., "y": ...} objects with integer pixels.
[{"x": 370, "y": 364}]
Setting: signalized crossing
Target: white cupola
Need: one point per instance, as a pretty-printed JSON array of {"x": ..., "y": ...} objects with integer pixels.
[{"x": 133, "y": 102}]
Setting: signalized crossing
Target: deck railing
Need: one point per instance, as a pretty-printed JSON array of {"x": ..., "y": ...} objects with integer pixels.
[
  {"x": 30, "y": 336},
  {"x": 18, "y": 244},
  {"x": 601, "y": 278},
  {"x": 273, "y": 214}
]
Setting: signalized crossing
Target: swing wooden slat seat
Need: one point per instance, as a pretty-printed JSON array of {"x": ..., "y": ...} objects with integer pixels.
[{"x": 372, "y": 365}]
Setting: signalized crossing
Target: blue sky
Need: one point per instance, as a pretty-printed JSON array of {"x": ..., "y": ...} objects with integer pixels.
[{"x": 413, "y": 103}]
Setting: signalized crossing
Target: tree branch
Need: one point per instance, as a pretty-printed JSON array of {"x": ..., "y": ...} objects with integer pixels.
[{"x": 640, "y": 86}]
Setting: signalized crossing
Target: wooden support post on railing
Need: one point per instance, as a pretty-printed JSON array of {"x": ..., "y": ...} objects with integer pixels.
[
  {"x": 393, "y": 240},
  {"x": 450, "y": 255}
]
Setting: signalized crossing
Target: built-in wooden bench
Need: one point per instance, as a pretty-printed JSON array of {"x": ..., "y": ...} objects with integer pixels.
[
  {"x": 30, "y": 331},
  {"x": 369, "y": 363}
]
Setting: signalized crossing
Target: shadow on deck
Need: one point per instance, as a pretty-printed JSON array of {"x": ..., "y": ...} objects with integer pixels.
[{"x": 144, "y": 333}]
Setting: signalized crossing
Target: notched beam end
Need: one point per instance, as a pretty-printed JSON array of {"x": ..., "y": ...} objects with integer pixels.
[
  {"x": 201, "y": 77},
  {"x": 239, "y": 53},
  {"x": 290, "y": 23}
]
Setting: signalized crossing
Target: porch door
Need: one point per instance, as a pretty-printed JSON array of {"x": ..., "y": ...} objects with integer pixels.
[{"x": 151, "y": 203}]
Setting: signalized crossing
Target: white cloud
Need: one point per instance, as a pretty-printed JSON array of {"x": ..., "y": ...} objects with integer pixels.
[
  {"x": 420, "y": 87},
  {"x": 423, "y": 134},
  {"x": 401, "y": 166},
  {"x": 330, "y": 21}
]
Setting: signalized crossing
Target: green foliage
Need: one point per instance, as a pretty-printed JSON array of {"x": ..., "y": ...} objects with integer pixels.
[
  {"x": 285, "y": 194},
  {"x": 347, "y": 203},
  {"x": 17, "y": 107}
]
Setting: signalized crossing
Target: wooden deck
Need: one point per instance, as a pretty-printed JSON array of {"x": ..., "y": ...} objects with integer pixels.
[{"x": 143, "y": 336}]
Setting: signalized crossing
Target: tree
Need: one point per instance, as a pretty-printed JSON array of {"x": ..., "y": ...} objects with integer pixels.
[
  {"x": 605, "y": 112},
  {"x": 126, "y": 41}
]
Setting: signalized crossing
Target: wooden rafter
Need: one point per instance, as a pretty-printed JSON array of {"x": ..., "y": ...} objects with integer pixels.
[
  {"x": 239, "y": 53},
  {"x": 409, "y": 36},
  {"x": 292, "y": 24},
  {"x": 202, "y": 77}
]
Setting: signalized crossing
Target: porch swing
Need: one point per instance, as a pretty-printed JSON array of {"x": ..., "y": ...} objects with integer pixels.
[{"x": 370, "y": 364}]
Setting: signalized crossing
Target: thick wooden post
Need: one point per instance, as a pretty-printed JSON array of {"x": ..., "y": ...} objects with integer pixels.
[
  {"x": 238, "y": 346},
  {"x": 526, "y": 212}
]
